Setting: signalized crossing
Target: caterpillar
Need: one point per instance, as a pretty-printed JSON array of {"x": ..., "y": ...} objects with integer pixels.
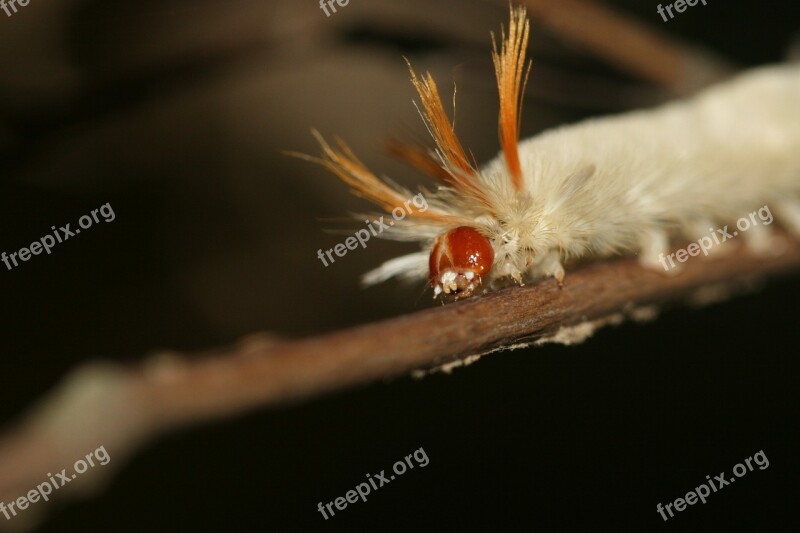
[{"x": 631, "y": 183}]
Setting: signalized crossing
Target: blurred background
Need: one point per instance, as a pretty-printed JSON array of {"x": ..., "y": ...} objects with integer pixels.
[{"x": 176, "y": 113}]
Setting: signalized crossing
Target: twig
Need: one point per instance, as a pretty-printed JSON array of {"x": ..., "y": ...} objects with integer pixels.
[
  {"x": 637, "y": 47},
  {"x": 121, "y": 408}
]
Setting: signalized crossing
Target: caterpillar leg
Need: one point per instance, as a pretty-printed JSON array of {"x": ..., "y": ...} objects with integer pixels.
[
  {"x": 654, "y": 252},
  {"x": 550, "y": 266},
  {"x": 788, "y": 212},
  {"x": 763, "y": 241},
  {"x": 703, "y": 232}
]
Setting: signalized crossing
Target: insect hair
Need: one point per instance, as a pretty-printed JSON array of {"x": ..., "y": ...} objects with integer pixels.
[{"x": 633, "y": 183}]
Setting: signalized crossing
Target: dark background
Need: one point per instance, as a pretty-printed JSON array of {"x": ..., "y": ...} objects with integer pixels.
[{"x": 176, "y": 111}]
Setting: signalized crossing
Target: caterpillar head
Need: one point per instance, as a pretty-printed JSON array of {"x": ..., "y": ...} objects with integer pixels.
[
  {"x": 459, "y": 259},
  {"x": 462, "y": 257}
]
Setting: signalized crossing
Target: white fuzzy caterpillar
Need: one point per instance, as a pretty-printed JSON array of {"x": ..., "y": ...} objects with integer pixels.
[{"x": 630, "y": 183}]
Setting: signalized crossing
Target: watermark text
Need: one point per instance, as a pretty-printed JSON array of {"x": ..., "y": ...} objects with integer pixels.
[
  {"x": 362, "y": 236},
  {"x": 680, "y": 7},
  {"x": 45, "y": 489},
  {"x": 58, "y": 236},
  {"x": 704, "y": 490},
  {"x": 376, "y": 481},
  {"x": 704, "y": 244}
]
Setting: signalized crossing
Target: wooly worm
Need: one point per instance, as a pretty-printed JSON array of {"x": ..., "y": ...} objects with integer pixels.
[{"x": 630, "y": 183}]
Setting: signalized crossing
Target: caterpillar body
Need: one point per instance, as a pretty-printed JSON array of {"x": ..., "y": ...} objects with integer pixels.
[{"x": 630, "y": 183}]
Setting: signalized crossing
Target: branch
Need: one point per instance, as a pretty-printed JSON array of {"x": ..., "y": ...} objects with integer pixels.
[
  {"x": 121, "y": 408},
  {"x": 632, "y": 45}
]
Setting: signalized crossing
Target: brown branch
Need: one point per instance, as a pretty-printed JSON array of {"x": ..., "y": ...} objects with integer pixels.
[
  {"x": 635, "y": 46},
  {"x": 121, "y": 408}
]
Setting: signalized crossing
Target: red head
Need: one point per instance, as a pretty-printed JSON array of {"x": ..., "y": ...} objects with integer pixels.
[{"x": 458, "y": 260}]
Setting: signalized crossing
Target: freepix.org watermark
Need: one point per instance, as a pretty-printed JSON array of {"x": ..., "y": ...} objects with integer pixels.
[
  {"x": 10, "y": 6},
  {"x": 325, "y": 5},
  {"x": 704, "y": 244},
  {"x": 60, "y": 235},
  {"x": 373, "y": 483},
  {"x": 52, "y": 483},
  {"x": 704, "y": 490},
  {"x": 680, "y": 7},
  {"x": 362, "y": 236}
]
